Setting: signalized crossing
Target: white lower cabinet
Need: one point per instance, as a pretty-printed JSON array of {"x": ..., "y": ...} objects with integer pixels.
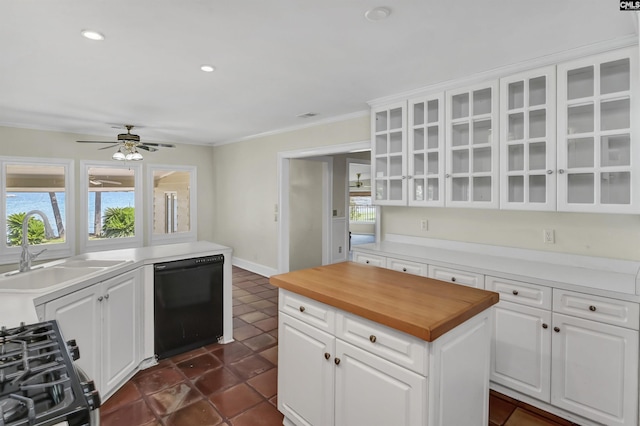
[
  {"x": 105, "y": 321},
  {"x": 470, "y": 279}
]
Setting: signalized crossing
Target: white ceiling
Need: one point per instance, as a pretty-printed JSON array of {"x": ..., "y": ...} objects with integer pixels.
[{"x": 275, "y": 59}]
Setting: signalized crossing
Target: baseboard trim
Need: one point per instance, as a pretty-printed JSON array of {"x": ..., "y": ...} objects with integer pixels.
[{"x": 256, "y": 268}]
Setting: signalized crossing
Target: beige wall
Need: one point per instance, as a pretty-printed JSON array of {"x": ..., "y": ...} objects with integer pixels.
[{"x": 43, "y": 144}]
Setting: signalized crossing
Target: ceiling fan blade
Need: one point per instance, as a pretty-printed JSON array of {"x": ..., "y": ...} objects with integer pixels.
[
  {"x": 94, "y": 182},
  {"x": 163, "y": 145},
  {"x": 110, "y": 182},
  {"x": 147, "y": 148},
  {"x": 94, "y": 141},
  {"x": 110, "y": 146}
]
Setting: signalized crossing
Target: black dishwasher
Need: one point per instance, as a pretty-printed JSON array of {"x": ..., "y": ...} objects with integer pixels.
[{"x": 188, "y": 304}]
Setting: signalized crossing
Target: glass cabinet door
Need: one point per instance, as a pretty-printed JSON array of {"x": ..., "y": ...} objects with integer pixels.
[
  {"x": 388, "y": 154},
  {"x": 597, "y": 100},
  {"x": 528, "y": 140},
  {"x": 471, "y": 146},
  {"x": 426, "y": 151}
]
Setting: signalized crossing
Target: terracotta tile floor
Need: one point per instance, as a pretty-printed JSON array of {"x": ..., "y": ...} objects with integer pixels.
[{"x": 235, "y": 384}]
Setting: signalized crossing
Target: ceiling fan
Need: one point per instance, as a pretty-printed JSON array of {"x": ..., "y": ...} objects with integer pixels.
[
  {"x": 94, "y": 181},
  {"x": 128, "y": 145},
  {"x": 358, "y": 184}
]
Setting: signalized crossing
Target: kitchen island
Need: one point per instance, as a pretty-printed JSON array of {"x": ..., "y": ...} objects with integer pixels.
[{"x": 360, "y": 345}]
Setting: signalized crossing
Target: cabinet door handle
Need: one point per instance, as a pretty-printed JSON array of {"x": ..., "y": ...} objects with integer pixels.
[
  {"x": 366, "y": 261},
  {"x": 545, "y": 326},
  {"x": 592, "y": 308},
  {"x": 447, "y": 175},
  {"x": 106, "y": 296},
  {"x": 556, "y": 329},
  {"x": 549, "y": 172},
  {"x": 453, "y": 279},
  {"x": 372, "y": 338},
  {"x": 337, "y": 361},
  {"x": 561, "y": 171},
  {"x": 404, "y": 269},
  {"x": 515, "y": 292},
  {"x": 100, "y": 299},
  {"x": 404, "y": 177},
  {"x": 327, "y": 355},
  {"x": 302, "y": 308}
]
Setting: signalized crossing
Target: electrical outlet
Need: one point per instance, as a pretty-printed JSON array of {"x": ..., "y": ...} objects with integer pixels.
[
  {"x": 424, "y": 225},
  {"x": 339, "y": 249},
  {"x": 549, "y": 236}
]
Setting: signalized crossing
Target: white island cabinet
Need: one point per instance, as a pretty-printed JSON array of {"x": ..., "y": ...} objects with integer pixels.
[{"x": 366, "y": 355}]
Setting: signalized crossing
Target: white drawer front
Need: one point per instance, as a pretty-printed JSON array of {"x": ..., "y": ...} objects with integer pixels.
[
  {"x": 408, "y": 267},
  {"x": 392, "y": 345},
  {"x": 455, "y": 276},
  {"x": 534, "y": 295},
  {"x": 369, "y": 259},
  {"x": 307, "y": 310},
  {"x": 602, "y": 309}
]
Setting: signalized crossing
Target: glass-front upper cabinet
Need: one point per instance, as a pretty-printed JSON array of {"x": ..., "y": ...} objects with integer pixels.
[
  {"x": 528, "y": 140},
  {"x": 597, "y": 104},
  {"x": 426, "y": 151},
  {"x": 472, "y": 147},
  {"x": 388, "y": 154}
]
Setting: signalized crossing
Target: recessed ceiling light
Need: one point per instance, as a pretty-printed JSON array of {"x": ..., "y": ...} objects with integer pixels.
[
  {"x": 92, "y": 35},
  {"x": 207, "y": 68},
  {"x": 377, "y": 14}
]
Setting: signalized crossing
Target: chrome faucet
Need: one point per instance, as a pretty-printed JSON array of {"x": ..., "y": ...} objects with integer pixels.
[{"x": 26, "y": 257}]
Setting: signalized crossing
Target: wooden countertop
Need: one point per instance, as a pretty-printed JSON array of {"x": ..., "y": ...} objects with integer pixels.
[{"x": 423, "y": 307}]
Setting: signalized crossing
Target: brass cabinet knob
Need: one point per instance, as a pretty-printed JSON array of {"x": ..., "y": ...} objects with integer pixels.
[
  {"x": 556, "y": 329},
  {"x": 545, "y": 326},
  {"x": 372, "y": 338},
  {"x": 337, "y": 361},
  {"x": 515, "y": 292},
  {"x": 592, "y": 308},
  {"x": 302, "y": 308},
  {"x": 327, "y": 355}
]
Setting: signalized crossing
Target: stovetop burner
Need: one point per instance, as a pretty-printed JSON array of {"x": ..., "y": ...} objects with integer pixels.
[{"x": 38, "y": 382}]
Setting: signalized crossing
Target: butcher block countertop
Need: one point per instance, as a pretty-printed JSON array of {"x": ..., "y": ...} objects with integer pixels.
[{"x": 423, "y": 307}]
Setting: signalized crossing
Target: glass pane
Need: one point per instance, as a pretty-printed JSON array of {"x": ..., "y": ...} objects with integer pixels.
[
  {"x": 460, "y": 189},
  {"x": 395, "y": 190},
  {"x": 460, "y": 161},
  {"x": 418, "y": 113},
  {"x": 381, "y": 167},
  {"x": 516, "y": 95},
  {"x": 482, "y": 131},
  {"x": 35, "y": 187},
  {"x": 615, "y": 150},
  {"x": 482, "y": 101},
  {"x": 615, "y": 188},
  {"x": 538, "y": 189},
  {"x": 538, "y": 156},
  {"x": 432, "y": 166},
  {"x": 395, "y": 118},
  {"x": 516, "y": 157},
  {"x": 395, "y": 165},
  {"x": 460, "y": 106},
  {"x": 418, "y": 164},
  {"x": 418, "y": 139},
  {"x": 111, "y": 203},
  {"x": 171, "y": 201},
  {"x": 538, "y": 91},
  {"x": 482, "y": 188},
  {"x": 580, "y": 119},
  {"x": 615, "y": 115},
  {"x": 615, "y": 76},
  {"x": 381, "y": 121},
  {"x": 580, "y": 83},
  {"x": 460, "y": 134},
  {"x": 516, "y": 127},
  {"x": 433, "y": 192},
  {"x": 580, "y": 152},
  {"x": 482, "y": 160},
  {"x": 395, "y": 142},
  {"x": 381, "y": 144},
  {"x": 432, "y": 135},
  {"x": 381, "y": 189},
  {"x": 580, "y": 188},
  {"x": 418, "y": 189},
  {"x": 516, "y": 189},
  {"x": 538, "y": 123},
  {"x": 432, "y": 111}
]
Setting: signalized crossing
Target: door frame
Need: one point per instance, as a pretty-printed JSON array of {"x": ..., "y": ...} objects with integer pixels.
[
  {"x": 282, "y": 208},
  {"x": 346, "y": 199}
]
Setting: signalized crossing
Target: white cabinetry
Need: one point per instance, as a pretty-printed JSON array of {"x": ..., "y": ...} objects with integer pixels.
[
  {"x": 414, "y": 268},
  {"x": 597, "y": 103},
  {"x": 105, "y": 321},
  {"x": 388, "y": 154},
  {"x": 528, "y": 140},
  {"x": 472, "y": 147},
  {"x": 369, "y": 259},
  {"x": 456, "y": 276}
]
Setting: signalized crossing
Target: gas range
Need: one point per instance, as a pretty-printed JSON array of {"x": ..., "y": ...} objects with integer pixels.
[{"x": 39, "y": 384}]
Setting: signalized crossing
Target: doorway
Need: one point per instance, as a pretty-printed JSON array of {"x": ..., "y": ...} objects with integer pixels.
[{"x": 362, "y": 214}]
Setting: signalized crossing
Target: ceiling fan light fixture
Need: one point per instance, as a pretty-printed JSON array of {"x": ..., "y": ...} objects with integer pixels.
[
  {"x": 133, "y": 156},
  {"x": 92, "y": 35},
  {"x": 118, "y": 156}
]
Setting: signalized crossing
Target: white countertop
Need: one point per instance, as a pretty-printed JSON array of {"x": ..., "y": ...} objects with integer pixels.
[{"x": 16, "y": 306}]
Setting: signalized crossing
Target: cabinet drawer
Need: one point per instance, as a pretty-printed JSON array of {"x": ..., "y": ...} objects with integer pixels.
[
  {"x": 470, "y": 279},
  {"x": 534, "y": 295},
  {"x": 392, "y": 345},
  {"x": 307, "y": 310},
  {"x": 602, "y": 309},
  {"x": 369, "y": 259},
  {"x": 414, "y": 268}
]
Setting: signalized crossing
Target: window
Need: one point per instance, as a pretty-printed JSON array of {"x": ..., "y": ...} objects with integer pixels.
[
  {"x": 112, "y": 197},
  {"x": 172, "y": 203},
  {"x": 361, "y": 208},
  {"x": 42, "y": 189}
]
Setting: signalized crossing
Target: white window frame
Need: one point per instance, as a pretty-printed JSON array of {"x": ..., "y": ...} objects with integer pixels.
[
  {"x": 137, "y": 240},
  {"x": 9, "y": 255},
  {"x": 177, "y": 237}
]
